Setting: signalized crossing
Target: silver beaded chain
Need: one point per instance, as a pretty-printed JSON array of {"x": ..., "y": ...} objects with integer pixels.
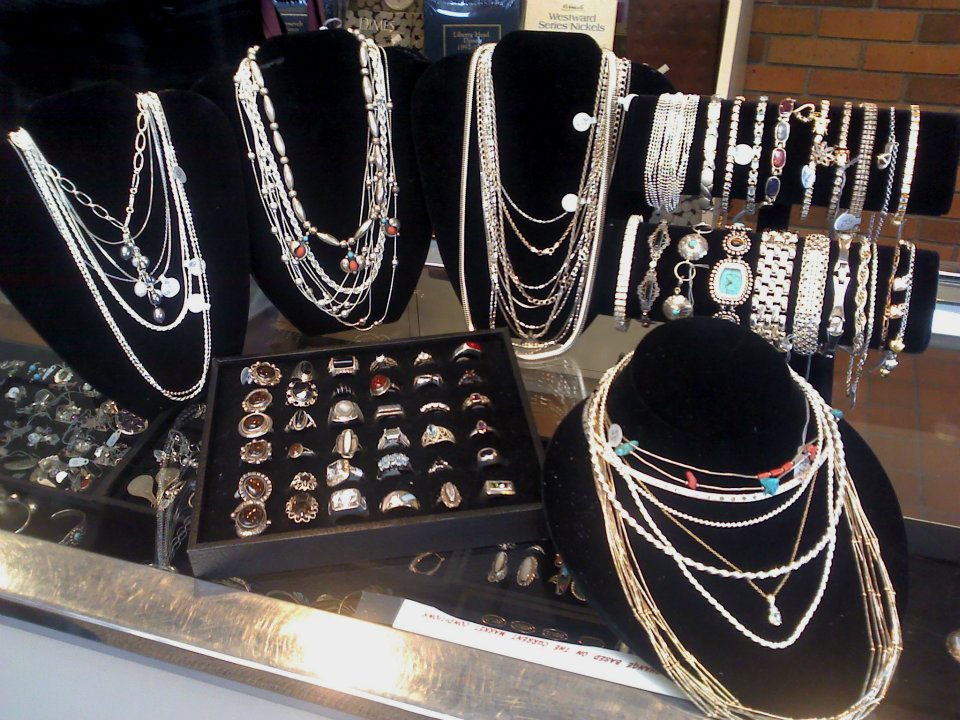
[{"x": 349, "y": 298}]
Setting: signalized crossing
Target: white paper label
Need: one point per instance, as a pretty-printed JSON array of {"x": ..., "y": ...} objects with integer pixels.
[{"x": 609, "y": 665}]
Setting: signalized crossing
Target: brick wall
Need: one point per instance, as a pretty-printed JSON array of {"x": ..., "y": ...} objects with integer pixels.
[{"x": 893, "y": 52}]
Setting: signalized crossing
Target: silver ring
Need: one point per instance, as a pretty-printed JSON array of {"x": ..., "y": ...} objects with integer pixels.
[
  {"x": 449, "y": 496},
  {"x": 300, "y": 420},
  {"x": 261, "y": 373},
  {"x": 436, "y": 434},
  {"x": 439, "y": 465},
  {"x": 380, "y": 385},
  {"x": 302, "y": 508},
  {"x": 482, "y": 428},
  {"x": 344, "y": 412},
  {"x": 250, "y": 518},
  {"x": 301, "y": 393},
  {"x": 467, "y": 351},
  {"x": 74, "y": 535},
  {"x": 427, "y": 379},
  {"x": 498, "y": 488},
  {"x": 393, "y": 464},
  {"x": 423, "y": 358},
  {"x": 341, "y": 471},
  {"x": 303, "y": 481},
  {"x": 256, "y": 452},
  {"x": 347, "y": 502},
  {"x": 347, "y": 444},
  {"x": 297, "y": 450},
  {"x": 341, "y": 390},
  {"x": 487, "y": 457},
  {"x": 383, "y": 362},
  {"x": 432, "y": 407},
  {"x": 393, "y": 410},
  {"x": 303, "y": 371},
  {"x": 469, "y": 377},
  {"x": 255, "y": 424},
  {"x": 393, "y": 438},
  {"x": 257, "y": 400},
  {"x": 254, "y": 486},
  {"x": 396, "y": 499},
  {"x": 343, "y": 365},
  {"x": 476, "y": 400}
]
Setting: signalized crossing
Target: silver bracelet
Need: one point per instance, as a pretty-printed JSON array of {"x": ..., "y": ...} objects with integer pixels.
[
  {"x": 811, "y": 288},
  {"x": 649, "y": 288},
  {"x": 730, "y": 159},
  {"x": 850, "y": 220},
  {"x": 841, "y": 282},
  {"x": 771, "y": 288},
  {"x": 754, "y": 175},
  {"x": 778, "y": 156},
  {"x": 841, "y": 157},
  {"x": 710, "y": 139},
  {"x": 668, "y": 151},
  {"x": 623, "y": 273},
  {"x": 819, "y": 154}
]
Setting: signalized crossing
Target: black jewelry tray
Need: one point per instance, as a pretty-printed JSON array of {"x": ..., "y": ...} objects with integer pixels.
[{"x": 214, "y": 548}]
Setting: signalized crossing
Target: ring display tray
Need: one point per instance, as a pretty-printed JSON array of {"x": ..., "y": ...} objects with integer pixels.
[{"x": 499, "y": 419}]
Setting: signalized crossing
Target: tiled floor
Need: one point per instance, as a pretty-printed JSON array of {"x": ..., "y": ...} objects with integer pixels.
[{"x": 912, "y": 421}]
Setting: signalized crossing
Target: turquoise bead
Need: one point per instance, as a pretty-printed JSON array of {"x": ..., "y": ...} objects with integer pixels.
[
  {"x": 838, "y": 414},
  {"x": 770, "y": 485}
]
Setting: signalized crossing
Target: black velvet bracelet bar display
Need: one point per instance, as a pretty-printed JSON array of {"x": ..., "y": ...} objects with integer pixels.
[
  {"x": 314, "y": 82},
  {"x": 215, "y": 549},
  {"x": 542, "y": 81},
  {"x": 709, "y": 393},
  {"x": 935, "y": 169},
  {"x": 922, "y": 302},
  {"x": 89, "y": 135}
]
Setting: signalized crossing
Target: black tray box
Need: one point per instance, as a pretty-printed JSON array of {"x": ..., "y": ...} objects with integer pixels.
[{"x": 216, "y": 551}]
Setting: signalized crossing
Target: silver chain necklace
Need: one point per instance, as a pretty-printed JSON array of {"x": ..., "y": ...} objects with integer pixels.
[
  {"x": 364, "y": 250},
  {"x": 153, "y": 140},
  {"x": 531, "y": 310}
]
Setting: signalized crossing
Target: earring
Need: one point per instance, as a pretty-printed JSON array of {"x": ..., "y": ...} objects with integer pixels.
[
  {"x": 499, "y": 566},
  {"x": 529, "y": 569}
]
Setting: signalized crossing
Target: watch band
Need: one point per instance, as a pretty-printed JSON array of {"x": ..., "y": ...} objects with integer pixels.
[
  {"x": 901, "y": 310},
  {"x": 623, "y": 273},
  {"x": 771, "y": 287},
  {"x": 811, "y": 288},
  {"x": 841, "y": 282}
]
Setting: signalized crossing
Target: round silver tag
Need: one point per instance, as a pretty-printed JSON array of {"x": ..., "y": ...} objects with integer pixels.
[
  {"x": 743, "y": 154},
  {"x": 570, "y": 202},
  {"x": 582, "y": 121}
]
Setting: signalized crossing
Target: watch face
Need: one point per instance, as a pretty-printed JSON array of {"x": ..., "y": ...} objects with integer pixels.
[
  {"x": 730, "y": 281},
  {"x": 398, "y": 5}
]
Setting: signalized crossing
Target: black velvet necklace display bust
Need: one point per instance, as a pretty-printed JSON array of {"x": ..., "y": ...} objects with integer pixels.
[
  {"x": 542, "y": 81},
  {"x": 709, "y": 393},
  {"x": 89, "y": 136},
  {"x": 314, "y": 82}
]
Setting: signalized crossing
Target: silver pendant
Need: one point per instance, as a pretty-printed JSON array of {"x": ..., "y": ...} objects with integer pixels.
[{"x": 677, "y": 307}]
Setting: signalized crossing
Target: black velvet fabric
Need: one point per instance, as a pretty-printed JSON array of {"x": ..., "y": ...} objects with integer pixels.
[
  {"x": 89, "y": 135},
  {"x": 542, "y": 79},
  {"x": 314, "y": 82},
  {"x": 922, "y": 302},
  {"x": 935, "y": 170},
  {"x": 709, "y": 393},
  {"x": 51, "y": 46}
]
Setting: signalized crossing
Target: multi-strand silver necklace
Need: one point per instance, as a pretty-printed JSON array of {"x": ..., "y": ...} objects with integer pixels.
[
  {"x": 349, "y": 298},
  {"x": 174, "y": 274},
  {"x": 533, "y": 309}
]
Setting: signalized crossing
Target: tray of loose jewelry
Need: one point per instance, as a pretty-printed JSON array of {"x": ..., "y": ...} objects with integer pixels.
[{"x": 363, "y": 452}]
